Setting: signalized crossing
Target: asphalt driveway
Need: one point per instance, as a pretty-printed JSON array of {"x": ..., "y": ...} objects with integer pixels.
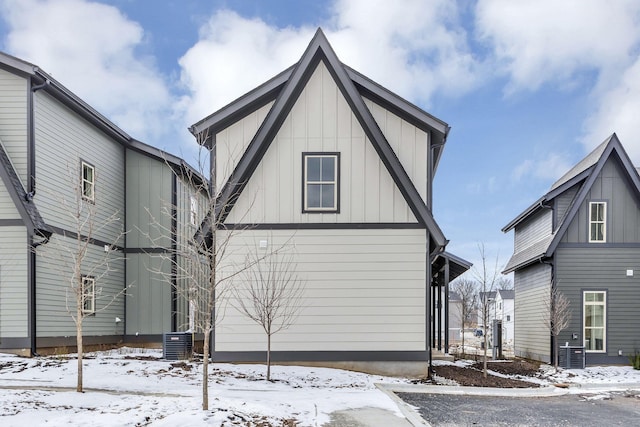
[{"x": 610, "y": 409}]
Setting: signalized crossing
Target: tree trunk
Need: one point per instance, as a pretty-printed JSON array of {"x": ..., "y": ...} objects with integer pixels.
[
  {"x": 79, "y": 345},
  {"x": 268, "y": 357},
  {"x": 205, "y": 370}
]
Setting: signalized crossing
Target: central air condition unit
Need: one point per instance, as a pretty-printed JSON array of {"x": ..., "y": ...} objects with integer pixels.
[
  {"x": 571, "y": 357},
  {"x": 177, "y": 345}
]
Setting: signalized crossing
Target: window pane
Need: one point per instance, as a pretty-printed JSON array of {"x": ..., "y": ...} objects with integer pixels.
[
  {"x": 328, "y": 169},
  {"x": 594, "y": 212},
  {"x": 327, "y": 196},
  {"x": 594, "y": 339},
  {"x": 313, "y": 168},
  {"x": 313, "y": 195},
  {"x": 594, "y": 316}
]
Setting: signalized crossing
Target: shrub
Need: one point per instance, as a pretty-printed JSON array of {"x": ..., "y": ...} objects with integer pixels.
[{"x": 635, "y": 361}]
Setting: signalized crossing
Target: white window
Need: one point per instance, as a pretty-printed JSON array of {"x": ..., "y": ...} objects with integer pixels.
[
  {"x": 321, "y": 186},
  {"x": 88, "y": 182},
  {"x": 597, "y": 221},
  {"x": 88, "y": 295},
  {"x": 595, "y": 321},
  {"x": 193, "y": 217}
]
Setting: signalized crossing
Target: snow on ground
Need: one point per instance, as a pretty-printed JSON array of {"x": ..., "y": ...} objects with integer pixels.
[
  {"x": 130, "y": 387},
  {"x": 136, "y": 387}
]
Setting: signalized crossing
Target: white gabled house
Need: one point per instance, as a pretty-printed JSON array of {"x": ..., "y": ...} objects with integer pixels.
[{"x": 342, "y": 167}]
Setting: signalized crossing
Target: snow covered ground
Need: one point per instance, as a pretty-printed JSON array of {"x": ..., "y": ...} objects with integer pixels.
[{"x": 136, "y": 387}]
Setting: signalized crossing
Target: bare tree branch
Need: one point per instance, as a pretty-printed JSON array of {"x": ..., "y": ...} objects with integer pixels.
[{"x": 271, "y": 294}]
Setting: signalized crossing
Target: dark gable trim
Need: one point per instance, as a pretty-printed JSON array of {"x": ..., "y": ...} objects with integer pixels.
[
  {"x": 246, "y": 104},
  {"x": 613, "y": 146},
  {"x": 326, "y": 226},
  {"x": 26, "y": 208},
  {"x": 320, "y": 50},
  {"x": 321, "y": 356}
]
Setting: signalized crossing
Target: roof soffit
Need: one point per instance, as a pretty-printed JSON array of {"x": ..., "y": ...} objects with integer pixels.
[{"x": 320, "y": 50}]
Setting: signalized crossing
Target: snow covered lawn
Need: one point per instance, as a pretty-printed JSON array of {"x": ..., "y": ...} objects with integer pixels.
[{"x": 137, "y": 388}]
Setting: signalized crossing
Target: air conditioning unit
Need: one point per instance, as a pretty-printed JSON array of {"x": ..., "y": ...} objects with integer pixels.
[
  {"x": 571, "y": 357},
  {"x": 177, "y": 345}
]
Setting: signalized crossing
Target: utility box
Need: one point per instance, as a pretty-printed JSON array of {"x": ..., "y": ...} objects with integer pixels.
[
  {"x": 177, "y": 345},
  {"x": 571, "y": 357}
]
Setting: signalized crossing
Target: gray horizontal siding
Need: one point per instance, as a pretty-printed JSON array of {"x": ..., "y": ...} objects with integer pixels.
[
  {"x": 13, "y": 120},
  {"x": 13, "y": 282},
  {"x": 580, "y": 269},
  {"x": 55, "y": 300},
  {"x": 7, "y": 207},
  {"x": 533, "y": 230},
  {"x": 62, "y": 140},
  {"x": 532, "y": 285}
]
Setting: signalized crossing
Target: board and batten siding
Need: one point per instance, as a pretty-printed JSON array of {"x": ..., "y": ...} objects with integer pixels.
[
  {"x": 603, "y": 269},
  {"x": 533, "y": 230},
  {"x": 365, "y": 291},
  {"x": 148, "y": 201},
  {"x": 532, "y": 285},
  {"x": 232, "y": 142},
  {"x": 148, "y": 294},
  {"x": 63, "y": 139},
  {"x": 563, "y": 202},
  {"x": 55, "y": 300},
  {"x": 14, "y": 254},
  {"x": 13, "y": 120},
  {"x": 623, "y": 210},
  {"x": 322, "y": 121}
]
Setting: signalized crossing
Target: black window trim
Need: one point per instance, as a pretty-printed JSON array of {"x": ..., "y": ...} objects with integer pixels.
[{"x": 335, "y": 154}]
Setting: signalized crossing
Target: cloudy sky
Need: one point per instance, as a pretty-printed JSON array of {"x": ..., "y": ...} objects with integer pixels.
[{"x": 529, "y": 88}]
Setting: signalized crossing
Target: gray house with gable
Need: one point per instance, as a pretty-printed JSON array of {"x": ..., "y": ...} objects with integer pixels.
[
  {"x": 51, "y": 142},
  {"x": 583, "y": 238}
]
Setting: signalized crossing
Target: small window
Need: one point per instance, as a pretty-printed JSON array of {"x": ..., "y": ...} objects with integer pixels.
[
  {"x": 321, "y": 186},
  {"x": 595, "y": 321},
  {"x": 88, "y": 182},
  {"x": 88, "y": 295},
  {"x": 193, "y": 217},
  {"x": 508, "y": 318},
  {"x": 597, "y": 221}
]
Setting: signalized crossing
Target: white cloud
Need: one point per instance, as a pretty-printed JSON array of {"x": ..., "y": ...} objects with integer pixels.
[
  {"x": 426, "y": 53},
  {"x": 549, "y": 40},
  {"x": 618, "y": 110},
  {"x": 549, "y": 167},
  {"x": 91, "y": 48}
]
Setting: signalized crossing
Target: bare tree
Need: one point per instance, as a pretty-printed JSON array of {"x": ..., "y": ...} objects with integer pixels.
[
  {"x": 201, "y": 254},
  {"x": 487, "y": 278},
  {"x": 556, "y": 317},
  {"x": 77, "y": 259},
  {"x": 467, "y": 291},
  {"x": 504, "y": 284},
  {"x": 271, "y": 294}
]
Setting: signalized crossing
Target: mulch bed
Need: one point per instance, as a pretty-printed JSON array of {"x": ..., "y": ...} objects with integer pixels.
[{"x": 472, "y": 376}]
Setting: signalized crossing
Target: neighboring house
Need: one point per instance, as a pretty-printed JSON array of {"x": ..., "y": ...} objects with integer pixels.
[
  {"x": 455, "y": 317},
  {"x": 504, "y": 311},
  {"x": 583, "y": 238},
  {"x": 51, "y": 141},
  {"x": 340, "y": 167}
]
